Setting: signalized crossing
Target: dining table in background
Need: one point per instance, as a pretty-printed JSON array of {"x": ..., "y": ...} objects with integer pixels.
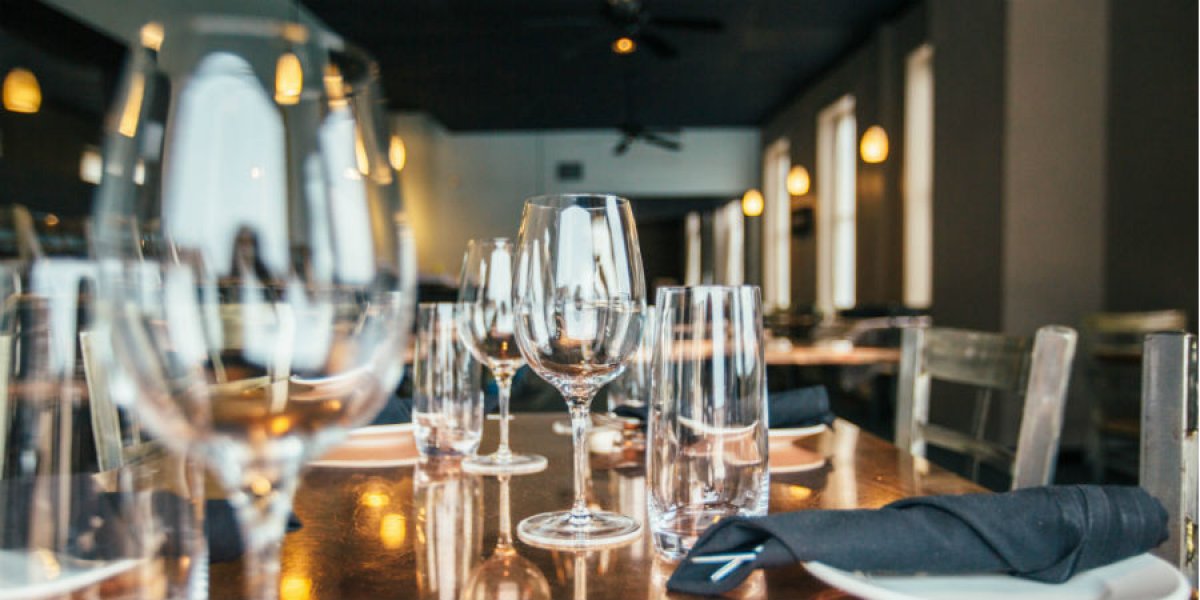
[{"x": 367, "y": 531}]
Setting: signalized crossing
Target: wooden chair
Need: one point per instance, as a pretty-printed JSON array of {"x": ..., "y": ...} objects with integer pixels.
[
  {"x": 1036, "y": 373},
  {"x": 1168, "y": 466},
  {"x": 1112, "y": 361}
]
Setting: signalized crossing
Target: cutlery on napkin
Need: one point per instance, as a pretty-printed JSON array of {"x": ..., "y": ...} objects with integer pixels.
[{"x": 1046, "y": 534}]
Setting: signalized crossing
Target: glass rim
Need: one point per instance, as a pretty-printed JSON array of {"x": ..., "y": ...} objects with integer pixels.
[
  {"x": 707, "y": 288},
  {"x": 596, "y": 200},
  {"x": 491, "y": 241}
]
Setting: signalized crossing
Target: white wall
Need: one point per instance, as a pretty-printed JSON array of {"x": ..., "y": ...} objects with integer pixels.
[{"x": 463, "y": 185}]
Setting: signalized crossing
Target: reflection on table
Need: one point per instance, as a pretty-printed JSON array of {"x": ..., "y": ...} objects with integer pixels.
[{"x": 421, "y": 531}]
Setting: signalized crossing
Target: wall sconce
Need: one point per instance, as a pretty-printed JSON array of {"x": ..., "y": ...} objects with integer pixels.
[
  {"x": 152, "y": 35},
  {"x": 798, "y": 181},
  {"x": 397, "y": 154},
  {"x": 874, "y": 145},
  {"x": 22, "y": 94},
  {"x": 289, "y": 79},
  {"x": 752, "y": 203}
]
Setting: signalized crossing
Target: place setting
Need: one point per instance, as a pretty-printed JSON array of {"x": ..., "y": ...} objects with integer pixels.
[{"x": 604, "y": 299}]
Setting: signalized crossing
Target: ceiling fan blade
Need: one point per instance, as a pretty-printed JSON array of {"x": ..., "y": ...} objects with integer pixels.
[
  {"x": 662, "y": 142},
  {"x": 623, "y": 145},
  {"x": 689, "y": 23},
  {"x": 658, "y": 45}
]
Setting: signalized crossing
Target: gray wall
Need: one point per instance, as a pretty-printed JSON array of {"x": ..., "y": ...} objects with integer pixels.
[{"x": 1150, "y": 260}]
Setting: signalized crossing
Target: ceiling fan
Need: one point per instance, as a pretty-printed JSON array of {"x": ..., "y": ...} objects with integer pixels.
[
  {"x": 628, "y": 25},
  {"x": 632, "y": 130}
]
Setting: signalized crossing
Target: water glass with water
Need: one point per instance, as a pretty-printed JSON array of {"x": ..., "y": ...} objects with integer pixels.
[
  {"x": 447, "y": 395},
  {"x": 707, "y": 457}
]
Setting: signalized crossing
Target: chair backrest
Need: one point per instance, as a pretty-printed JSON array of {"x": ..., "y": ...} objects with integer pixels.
[
  {"x": 1037, "y": 373},
  {"x": 1169, "y": 450},
  {"x": 1117, "y": 334}
]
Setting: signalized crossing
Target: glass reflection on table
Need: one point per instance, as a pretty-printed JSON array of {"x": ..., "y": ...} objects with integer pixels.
[{"x": 448, "y": 504}]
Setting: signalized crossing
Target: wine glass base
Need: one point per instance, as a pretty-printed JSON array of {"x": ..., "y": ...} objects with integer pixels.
[
  {"x": 554, "y": 530},
  {"x": 513, "y": 464}
]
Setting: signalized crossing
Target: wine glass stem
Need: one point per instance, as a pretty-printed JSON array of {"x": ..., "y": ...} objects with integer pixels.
[
  {"x": 504, "y": 384},
  {"x": 580, "y": 422},
  {"x": 262, "y": 510}
]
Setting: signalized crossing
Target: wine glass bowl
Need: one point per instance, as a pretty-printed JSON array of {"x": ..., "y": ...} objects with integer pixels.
[
  {"x": 252, "y": 264},
  {"x": 486, "y": 325},
  {"x": 579, "y": 296}
]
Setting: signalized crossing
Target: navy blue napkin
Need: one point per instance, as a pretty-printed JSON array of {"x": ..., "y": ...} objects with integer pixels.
[
  {"x": 802, "y": 407},
  {"x": 1046, "y": 534}
]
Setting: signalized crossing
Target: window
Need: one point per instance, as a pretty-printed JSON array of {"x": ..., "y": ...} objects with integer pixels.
[
  {"x": 918, "y": 178},
  {"x": 777, "y": 227},
  {"x": 837, "y": 164}
]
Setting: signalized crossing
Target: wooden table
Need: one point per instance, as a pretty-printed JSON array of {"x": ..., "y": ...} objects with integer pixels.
[
  {"x": 412, "y": 532},
  {"x": 833, "y": 356}
]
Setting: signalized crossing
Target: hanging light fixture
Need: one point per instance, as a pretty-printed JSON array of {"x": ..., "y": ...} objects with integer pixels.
[
  {"x": 624, "y": 45},
  {"x": 22, "y": 94},
  {"x": 397, "y": 154},
  {"x": 798, "y": 181},
  {"x": 752, "y": 203},
  {"x": 289, "y": 79},
  {"x": 874, "y": 145}
]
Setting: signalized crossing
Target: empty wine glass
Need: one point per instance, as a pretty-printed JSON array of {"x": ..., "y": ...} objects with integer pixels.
[
  {"x": 485, "y": 323},
  {"x": 506, "y": 574},
  {"x": 249, "y": 253},
  {"x": 579, "y": 296}
]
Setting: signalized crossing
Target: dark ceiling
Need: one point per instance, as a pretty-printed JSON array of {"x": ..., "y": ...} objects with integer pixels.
[{"x": 543, "y": 64}]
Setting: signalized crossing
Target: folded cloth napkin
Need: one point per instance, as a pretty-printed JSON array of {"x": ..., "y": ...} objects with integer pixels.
[
  {"x": 1047, "y": 534},
  {"x": 801, "y": 407},
  {"x": 399, "y": 410}
]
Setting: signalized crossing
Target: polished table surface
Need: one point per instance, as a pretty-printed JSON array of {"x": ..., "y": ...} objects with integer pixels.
[
  {"x": 419, "y": 531},
  {"x": 814, "y": 355}
]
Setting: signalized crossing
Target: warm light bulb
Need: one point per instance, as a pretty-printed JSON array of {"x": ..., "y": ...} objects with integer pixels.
[
  {"x": 798, "y": 181},
  {"x": 752, "y": 203},
  {"x": 397, "y": 154},
  {"x": 152, "y": 35},
  {"x": 624, "y": 45},
  {"x": 874, "y": 145},
  {"x": 289, "y": 79},
  {"x": 22, "y": 94}
]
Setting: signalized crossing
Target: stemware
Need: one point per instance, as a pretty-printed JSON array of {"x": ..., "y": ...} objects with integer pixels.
[
  {"x": 486, "y": 325},
  {"x": 579, "y": 296},
  {"x": 708, "y": 413},
  {"x": 250, "y": 259},
  {"x": 506, "y": 574}
]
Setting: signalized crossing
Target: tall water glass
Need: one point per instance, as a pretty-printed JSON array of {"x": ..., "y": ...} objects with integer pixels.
[
  {"x": 89, "y": 504},
  {"x": 579, "y": 295},
  {"x": 486, "y": 322},
  {"x": 707, "y": 431},
  {"x": 246, "y": 227},
  {"x": 447, "y": 397}
]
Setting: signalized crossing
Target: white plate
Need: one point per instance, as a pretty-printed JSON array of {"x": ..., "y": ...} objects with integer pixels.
[
  {"x": 1142, "y": 577},
  {"x": 798, "y": 431},
  {"x": 377, "y": 446},
  {"x": 25, "y": 575}
]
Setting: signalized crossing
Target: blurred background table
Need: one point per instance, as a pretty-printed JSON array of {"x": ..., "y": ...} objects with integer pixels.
[{"x": 385, "y": 533}]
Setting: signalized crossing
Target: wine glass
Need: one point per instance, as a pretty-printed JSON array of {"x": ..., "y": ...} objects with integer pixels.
[
  {"x": 506, "y": 574},
  {"x": 249, "y": 250},
  {"x": 579, "y": 296},
  {"x": 485, "y": 323}
]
